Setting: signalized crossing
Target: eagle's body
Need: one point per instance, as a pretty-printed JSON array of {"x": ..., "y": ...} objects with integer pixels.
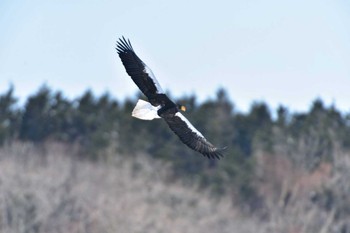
[{"x": 160, "y": 106}]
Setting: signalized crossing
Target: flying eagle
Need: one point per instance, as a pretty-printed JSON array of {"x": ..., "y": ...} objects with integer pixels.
[{"x": 159, "y": 105}]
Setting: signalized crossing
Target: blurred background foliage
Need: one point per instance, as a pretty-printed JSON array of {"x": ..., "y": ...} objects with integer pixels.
[{"x": 98, "y": 125}]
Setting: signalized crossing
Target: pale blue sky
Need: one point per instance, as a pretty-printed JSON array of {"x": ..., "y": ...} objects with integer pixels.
[{"x": 281, "y": 52}]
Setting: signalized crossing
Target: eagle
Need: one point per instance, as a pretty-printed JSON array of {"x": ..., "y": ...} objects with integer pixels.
[{"x": 159, "y": 105}]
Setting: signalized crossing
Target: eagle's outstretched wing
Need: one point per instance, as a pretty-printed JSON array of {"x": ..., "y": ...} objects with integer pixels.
[
  {"x": 137, "y": 69},
  {"x": 189, "y": 135}
]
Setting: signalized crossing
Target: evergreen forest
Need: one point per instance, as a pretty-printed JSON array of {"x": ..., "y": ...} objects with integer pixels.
[{"x": 283, "y": 171}]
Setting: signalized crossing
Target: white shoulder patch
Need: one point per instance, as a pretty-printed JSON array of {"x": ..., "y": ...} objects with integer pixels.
[
  {"x": 189, "y": 124},
  {"x": 155, "y": 81}
]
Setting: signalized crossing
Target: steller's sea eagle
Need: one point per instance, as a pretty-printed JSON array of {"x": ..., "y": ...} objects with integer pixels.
[{"x": 159, "y": 105}]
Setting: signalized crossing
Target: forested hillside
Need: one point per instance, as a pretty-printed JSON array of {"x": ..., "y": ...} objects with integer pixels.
[{"x": 282, "y": 171}]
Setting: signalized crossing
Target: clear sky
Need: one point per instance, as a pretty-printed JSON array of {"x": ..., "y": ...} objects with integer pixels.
[{"x": 280, "y": 52}]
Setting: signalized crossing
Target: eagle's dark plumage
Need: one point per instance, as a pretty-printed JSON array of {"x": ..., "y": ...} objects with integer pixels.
[
  {"x": 162, "y": 106},
  {"x": 188, "y": 135},
  {"x": 137, "y": 70}
]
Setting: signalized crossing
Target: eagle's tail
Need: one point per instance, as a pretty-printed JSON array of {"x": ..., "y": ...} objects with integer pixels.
[{"x": 145, "y": 111}]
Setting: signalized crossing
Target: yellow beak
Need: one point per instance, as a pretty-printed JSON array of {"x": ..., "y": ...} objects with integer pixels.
[{"x": 183, "y": 108}]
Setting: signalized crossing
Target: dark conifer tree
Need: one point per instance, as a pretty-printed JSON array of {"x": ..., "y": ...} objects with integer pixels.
[{"x": 9, "y": 116}]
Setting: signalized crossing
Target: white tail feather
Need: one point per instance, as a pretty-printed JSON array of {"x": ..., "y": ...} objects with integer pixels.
[{"x": 145, "y": 111}]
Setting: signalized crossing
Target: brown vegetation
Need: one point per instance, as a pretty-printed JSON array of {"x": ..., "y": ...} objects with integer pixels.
[
  {"x": 52, "y": 190},
  {"x": 56, "y": 192}
]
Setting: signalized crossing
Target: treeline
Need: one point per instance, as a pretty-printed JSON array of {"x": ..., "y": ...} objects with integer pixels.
[{"x": 101, "y": 124}]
